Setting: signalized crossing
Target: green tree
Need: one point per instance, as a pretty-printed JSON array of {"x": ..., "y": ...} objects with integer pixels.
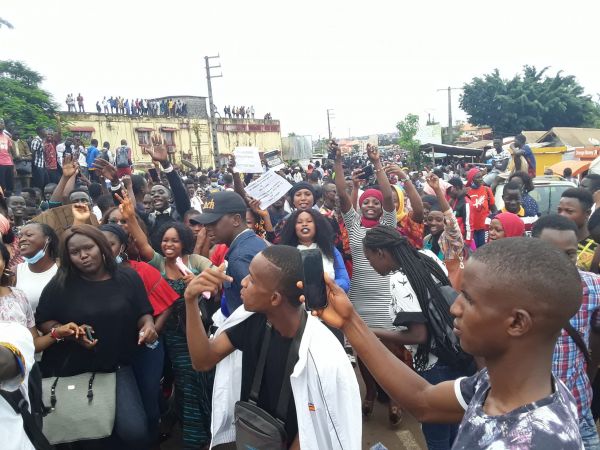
[
  {"x": 532, "y": 100},
  {"x": 407, "y": 130},
  {"x": 23, "y": 104}
]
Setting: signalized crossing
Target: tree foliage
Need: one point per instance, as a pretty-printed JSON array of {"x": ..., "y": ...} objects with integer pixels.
[
  {"x": 529, "y": 101},
  {"x": 407, "y": 130},
  {"x": 23, "y": 104}
]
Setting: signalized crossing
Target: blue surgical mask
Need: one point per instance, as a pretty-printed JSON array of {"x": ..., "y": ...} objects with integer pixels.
[
  {"x": 39, "y": 255},
  {"x": 119, "y": 259},
  {"x": 35, "y": 258}
]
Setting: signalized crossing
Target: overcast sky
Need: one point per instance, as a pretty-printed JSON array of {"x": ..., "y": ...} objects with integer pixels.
[{"x": 372, "y": 62}]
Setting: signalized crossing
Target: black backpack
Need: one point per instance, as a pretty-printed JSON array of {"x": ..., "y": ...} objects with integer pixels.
[
  {"x": 122, "y": 157},
  {"x": 103, "y": 154},
  {"x": 33, "y": 430},
  {"x": 447, "y": 345}
]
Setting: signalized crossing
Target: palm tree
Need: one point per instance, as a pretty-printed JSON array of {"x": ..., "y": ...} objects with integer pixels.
[{"x": 5, "y": 23}]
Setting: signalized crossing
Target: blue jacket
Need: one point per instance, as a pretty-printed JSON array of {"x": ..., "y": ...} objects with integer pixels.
[
  {"x": 243, "y": 248},
  {"x": 341, "y": 274}
]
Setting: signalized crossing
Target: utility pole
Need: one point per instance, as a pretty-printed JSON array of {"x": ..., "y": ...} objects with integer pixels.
[
  {"x": 213, "y": 122},
  {"x": 329, "y": 117},
  {"x": 450, "y": 126}
]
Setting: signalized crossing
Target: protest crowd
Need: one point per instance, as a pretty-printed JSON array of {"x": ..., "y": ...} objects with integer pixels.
[{"x": 243, "y": 307}]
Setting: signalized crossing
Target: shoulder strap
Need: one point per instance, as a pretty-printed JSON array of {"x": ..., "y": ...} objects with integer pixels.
[
  {"x": 286, "y": 386},
  {"x": 574, "y": 334},
  {"x": 19, "y": 404},
  {"x": 260, "y": 366}
]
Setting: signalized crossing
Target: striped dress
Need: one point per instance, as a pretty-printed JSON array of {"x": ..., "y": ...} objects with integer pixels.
[{"x": 369, "y": 291}]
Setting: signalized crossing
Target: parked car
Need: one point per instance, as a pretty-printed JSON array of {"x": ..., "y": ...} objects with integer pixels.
[{"x": 547, "y": 193}]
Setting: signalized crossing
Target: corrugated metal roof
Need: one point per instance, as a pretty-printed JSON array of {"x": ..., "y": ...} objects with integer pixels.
[{"x": 571, "y": 137}]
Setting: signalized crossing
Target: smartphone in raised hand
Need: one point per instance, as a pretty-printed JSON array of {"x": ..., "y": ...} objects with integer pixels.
[
  {"x": 332, "y": 150},
  {"x": 315, "y": 293}
]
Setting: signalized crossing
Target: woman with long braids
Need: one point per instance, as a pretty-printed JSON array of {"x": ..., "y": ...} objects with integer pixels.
[{"x": 416, "y": 276}]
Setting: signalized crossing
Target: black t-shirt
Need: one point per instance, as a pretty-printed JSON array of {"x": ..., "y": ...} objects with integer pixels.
[
  {"x": 111, "y": 307},
  {"x": 248, "y": 337}
]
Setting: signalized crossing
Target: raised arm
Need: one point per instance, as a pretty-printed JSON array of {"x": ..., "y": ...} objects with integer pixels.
[
  {"x": 355, "y": 188},
  {"x": 340, "y": 183},
  {"x": 238, "y": 184},
  {"x": 411, "y": 192},
  {"x": 66, "y": 184},
  {"x": 141, "y": 240},
  {"x": 382, "y": 179},
  {"x": 426, "y": 402},
  {"x": 159, "y": 153},
  {"x": 108, "y": 171},
  {"x": 204, "y": 353},
  {"x": 434, "y": 182}
]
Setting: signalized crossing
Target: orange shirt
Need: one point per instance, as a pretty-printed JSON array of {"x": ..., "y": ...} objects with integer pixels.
[{"x": 482, "y": 199}]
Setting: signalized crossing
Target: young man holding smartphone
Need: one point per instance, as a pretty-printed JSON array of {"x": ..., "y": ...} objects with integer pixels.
[{"x": 324, "y": 411}]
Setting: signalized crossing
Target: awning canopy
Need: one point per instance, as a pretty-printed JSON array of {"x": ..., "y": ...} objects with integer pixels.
[
  {"x": 168, "y": 129},
  {"x": 452, "y": 150},
  {"x": 144, "y": 129},
  {"x": 576, "y": 166},
  {"x": 82, "y": 129}
]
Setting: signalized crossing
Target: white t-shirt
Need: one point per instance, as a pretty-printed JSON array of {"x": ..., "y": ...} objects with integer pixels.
[
  {"x": 404, "y": 299},
  {"x": 32, "y": 284},
  {"x": 11, "y": 424}
]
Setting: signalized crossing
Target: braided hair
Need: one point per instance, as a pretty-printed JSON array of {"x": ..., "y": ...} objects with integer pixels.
[{"x": 423, "y": 274}]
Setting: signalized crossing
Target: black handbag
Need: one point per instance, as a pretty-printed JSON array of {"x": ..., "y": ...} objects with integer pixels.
[{"x": 254, "y": 427}]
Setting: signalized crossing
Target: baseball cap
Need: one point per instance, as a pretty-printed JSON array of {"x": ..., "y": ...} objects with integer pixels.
[
  {"x": 219, "y": 204},
  {"x": 195, "y": 218}
]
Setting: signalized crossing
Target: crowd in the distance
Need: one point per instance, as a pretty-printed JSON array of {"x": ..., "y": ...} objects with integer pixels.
[
  {"x": 134, "y": 107},
  {"x": 178, "y": 298}
]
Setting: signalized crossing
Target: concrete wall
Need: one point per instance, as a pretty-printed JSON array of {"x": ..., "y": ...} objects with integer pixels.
[
  {"x": 263, "y": 134},
  {"x": 113, "y": 128}
]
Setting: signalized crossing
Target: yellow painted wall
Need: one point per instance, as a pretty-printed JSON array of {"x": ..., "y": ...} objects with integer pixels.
[
  {"x": 113, "y": 128},
  {"x": 546, "y": 157},
  {"x": 263, "y": 140}
]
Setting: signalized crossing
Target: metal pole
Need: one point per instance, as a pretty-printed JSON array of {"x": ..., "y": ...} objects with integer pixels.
[
  {"x": 450, "y": 130},
  {"x": 328, "y": 124},
  {"x": 213, "y": 123}
]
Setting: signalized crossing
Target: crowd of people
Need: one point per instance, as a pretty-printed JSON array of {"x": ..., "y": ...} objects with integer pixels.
[
  {"x": 178, "y": 299},
  {"x": 134, "y": 107},
  {"x": 238, "y": 112}
]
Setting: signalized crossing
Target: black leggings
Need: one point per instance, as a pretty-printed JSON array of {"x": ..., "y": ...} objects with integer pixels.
[{"x": 7, "y": 178}]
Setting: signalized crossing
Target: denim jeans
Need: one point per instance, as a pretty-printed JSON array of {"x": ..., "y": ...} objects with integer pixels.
[
  {"x": 437, "y": 436},
  {"x": 589, "y": 434},
  {"x": 131, "y": 426},
  {"x": 147, "y": 366}
]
